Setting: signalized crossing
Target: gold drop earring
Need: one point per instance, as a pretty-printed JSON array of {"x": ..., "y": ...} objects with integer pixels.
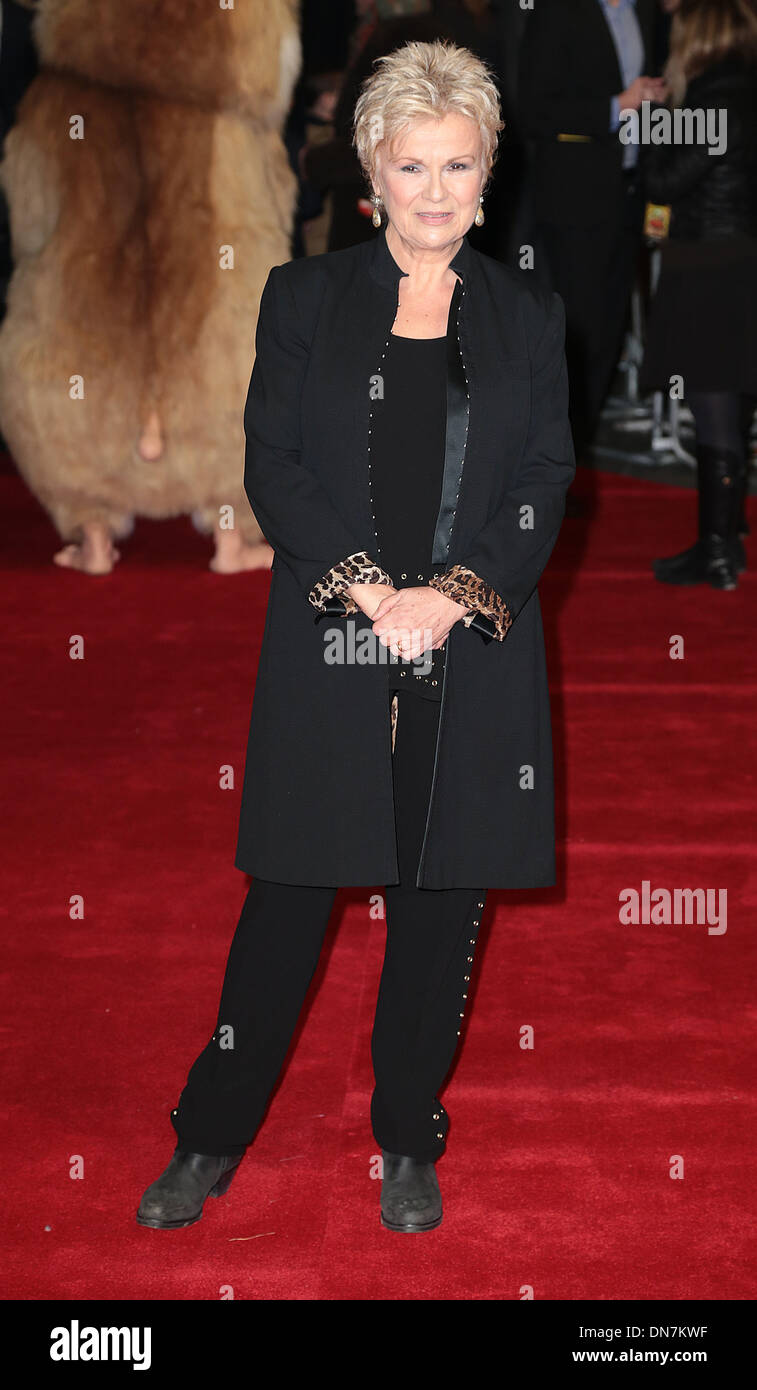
[
  {"x": 376, "y": 215},
  {"x": 479, "y": 219}
]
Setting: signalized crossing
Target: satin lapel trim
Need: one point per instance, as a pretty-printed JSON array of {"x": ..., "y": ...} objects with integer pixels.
[{"x": 456, "y": 434}]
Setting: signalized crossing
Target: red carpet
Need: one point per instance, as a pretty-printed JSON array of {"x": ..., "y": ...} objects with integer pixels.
[{"x": 557, "y": 1174}]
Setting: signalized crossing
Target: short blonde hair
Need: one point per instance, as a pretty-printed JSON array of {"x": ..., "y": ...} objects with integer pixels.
[{"x": 423, "y": 81}]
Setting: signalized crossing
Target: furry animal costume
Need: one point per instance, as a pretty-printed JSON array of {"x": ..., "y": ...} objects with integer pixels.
[{"x": 150, "y": 193}]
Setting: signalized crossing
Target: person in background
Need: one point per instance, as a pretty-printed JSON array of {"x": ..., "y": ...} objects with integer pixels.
[
  {"x": 703, "y": 320},
  {"x": 325, "y": 28},
  {"x": 514, "y": 216},
  {"x": 581, "y": 64}
]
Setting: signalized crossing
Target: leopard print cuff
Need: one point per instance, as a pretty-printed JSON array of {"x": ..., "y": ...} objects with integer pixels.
[
  {"x": 356, "y": 569},
  {"x": 462, "y": 585}
]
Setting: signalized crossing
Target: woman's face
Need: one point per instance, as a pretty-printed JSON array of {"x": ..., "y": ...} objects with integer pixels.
[{"x": 431, "y": 179}]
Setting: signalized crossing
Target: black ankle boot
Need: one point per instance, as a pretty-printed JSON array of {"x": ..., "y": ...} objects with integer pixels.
[
  {"x": 177, "y": 1197},
  {"x": 713, "y": 557},
  {"x": 410, "y": 1196}
]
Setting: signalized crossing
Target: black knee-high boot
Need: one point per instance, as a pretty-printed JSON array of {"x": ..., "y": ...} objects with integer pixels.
[{"x": 712, "y": 559}]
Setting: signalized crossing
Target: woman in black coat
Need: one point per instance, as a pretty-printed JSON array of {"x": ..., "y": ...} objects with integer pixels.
[
  {"x": 703, "y": 321},
  {"x": 408, "y": 455}
]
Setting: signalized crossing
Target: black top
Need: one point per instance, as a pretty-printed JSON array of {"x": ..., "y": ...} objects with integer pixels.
[
  {"x": 407, "y": 460},
  {"x": 712, "y": 196}
]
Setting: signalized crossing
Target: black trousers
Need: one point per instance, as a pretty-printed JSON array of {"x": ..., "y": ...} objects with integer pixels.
[
  {"x": 593, "y": 269},
  {"x": 430, "y": 941}
]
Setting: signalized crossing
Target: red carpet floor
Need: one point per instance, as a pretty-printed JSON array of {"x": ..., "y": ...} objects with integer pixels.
[{"x": 557, "y": 1175}]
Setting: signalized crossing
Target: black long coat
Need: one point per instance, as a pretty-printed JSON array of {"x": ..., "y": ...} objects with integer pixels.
[{"x": 317, "y": 801}]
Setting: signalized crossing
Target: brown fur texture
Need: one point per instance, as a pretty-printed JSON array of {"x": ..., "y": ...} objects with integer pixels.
[{"x": 118, "y": 240}]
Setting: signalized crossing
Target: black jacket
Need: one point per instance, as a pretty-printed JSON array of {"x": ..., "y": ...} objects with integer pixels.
[
  {"x": 317, "y": 803},
  {"x": 568, "y": 73},
  {"x": 712, "y": 195}
]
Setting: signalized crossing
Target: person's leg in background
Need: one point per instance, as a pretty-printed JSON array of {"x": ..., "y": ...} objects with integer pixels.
[
  {"x": 593, "y": 269},
  {"x": 431, "y": 936},
  {"x": 271, "y": 962},
  {"x": 717, "y": 556},
  {"x": 579, "y": 266},
  {"x": 564, "y": 262},
  {"x": 619, "y": 267}
]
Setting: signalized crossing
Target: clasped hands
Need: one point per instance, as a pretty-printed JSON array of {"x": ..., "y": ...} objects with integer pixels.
[{"x": 403, "y": 619}]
